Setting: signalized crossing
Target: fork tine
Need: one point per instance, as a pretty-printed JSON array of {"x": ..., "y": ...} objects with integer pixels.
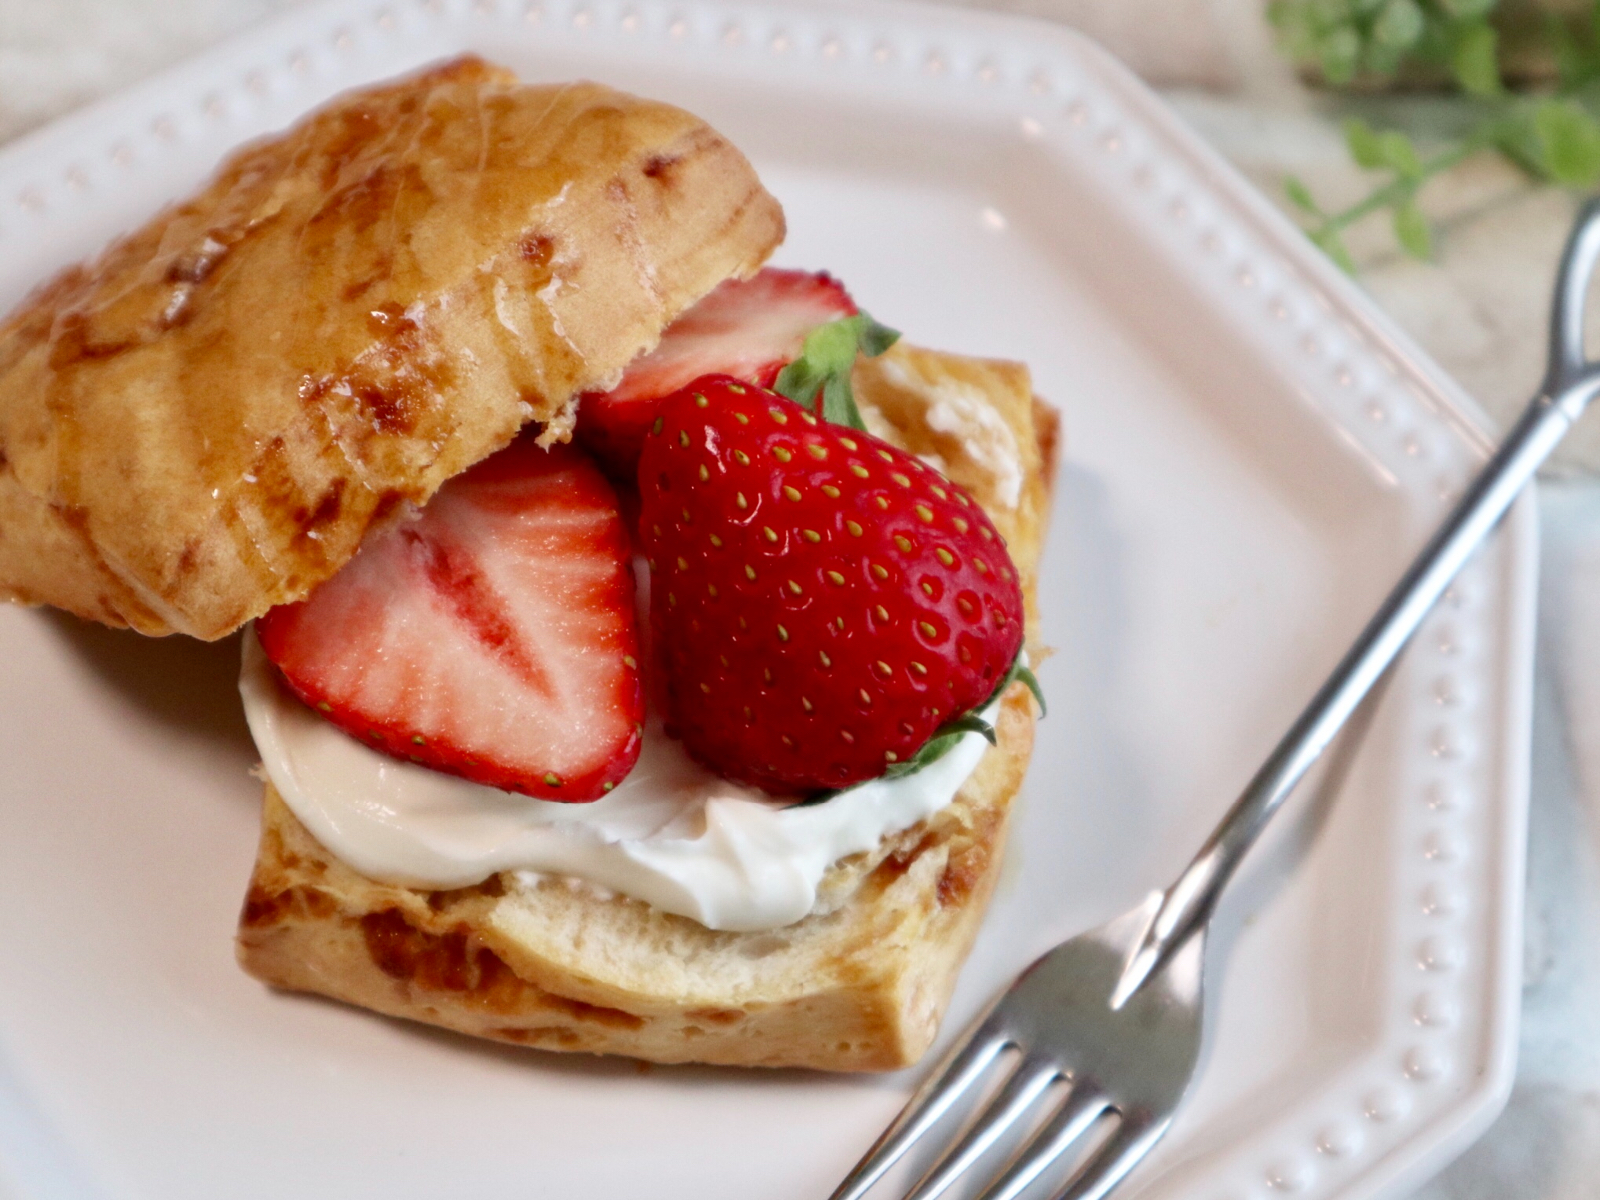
[
  {"x": 1120, "y": 1153},
  {"x": 1019, "y": 1093},
  {"x": 1083, "y": 1107},
  {"x": 962, "y": 1066}
]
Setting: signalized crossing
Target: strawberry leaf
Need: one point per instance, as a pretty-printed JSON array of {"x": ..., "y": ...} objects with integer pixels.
[
  {"x": 951, "y": 732},
  {"x": 1020, "y": 671},
  {"x": 825, "y": 363},
  {"x": 941, "y": 743}
]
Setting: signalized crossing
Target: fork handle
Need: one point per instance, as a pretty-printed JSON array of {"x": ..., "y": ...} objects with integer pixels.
[{"x": 1571, "y": 382}]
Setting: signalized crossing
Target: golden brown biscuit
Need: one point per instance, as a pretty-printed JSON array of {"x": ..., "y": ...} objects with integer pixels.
[
  {"x": 203, "y": 422},
  {"x": 860, "y": 984}
]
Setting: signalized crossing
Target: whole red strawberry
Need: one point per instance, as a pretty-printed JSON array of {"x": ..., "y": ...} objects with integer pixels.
[{"x": 821, "y": 602}]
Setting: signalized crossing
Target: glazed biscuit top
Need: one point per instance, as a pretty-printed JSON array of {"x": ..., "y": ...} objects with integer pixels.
[{"x": 203, "y": 422}]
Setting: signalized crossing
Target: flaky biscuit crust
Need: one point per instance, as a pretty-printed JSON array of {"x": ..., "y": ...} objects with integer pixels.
[
  {"x": 204, "y": 421},
  {"x": 860, "y": 985}
]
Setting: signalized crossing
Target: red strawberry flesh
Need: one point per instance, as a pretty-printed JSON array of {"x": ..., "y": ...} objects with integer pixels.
[
  {"x": 746, "y": 328},
  {"x": 493, "y": 637},
  {"x": 821, "y": 601}
]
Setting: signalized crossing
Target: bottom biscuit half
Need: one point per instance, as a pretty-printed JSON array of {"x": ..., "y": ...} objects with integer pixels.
[{"x": 859, "y": 987}]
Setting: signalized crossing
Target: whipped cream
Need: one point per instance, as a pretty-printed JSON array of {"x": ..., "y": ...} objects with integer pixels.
[{"x": 671, "y": 834}]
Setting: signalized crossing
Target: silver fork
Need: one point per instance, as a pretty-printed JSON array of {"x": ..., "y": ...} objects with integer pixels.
[{"x": 1108, "y": 1025}]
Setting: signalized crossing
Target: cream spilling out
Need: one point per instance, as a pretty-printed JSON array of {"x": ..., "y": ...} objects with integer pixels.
[{"x": 672, "y": 834}]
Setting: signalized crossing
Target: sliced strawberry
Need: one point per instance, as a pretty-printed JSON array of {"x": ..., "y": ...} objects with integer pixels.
[
  {"x": 822, "y": 602},
  {"x": 745, "y": 328},
  {"x": 494, "y": 637}
]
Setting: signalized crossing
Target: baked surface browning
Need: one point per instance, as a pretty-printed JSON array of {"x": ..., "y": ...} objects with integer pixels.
[
  {"x": 203, "y": 422},
  {"x": 859, "y": 985}
]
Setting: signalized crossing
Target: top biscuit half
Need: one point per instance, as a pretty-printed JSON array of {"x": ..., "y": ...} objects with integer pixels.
[{"x": 203, "y": 422}]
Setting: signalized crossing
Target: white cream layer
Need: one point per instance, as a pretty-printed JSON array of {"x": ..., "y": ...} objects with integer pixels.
[{"x": 671, "y": 834}]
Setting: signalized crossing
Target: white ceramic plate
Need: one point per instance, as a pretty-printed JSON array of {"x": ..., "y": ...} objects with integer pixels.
[{"x": 1252, "y": 454}]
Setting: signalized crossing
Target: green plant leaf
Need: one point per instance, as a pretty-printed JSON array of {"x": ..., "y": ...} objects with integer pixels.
[
  {"x": 1575, "y": 61},
  {"x": 1362, "y": 141},
  {"x": 1339, "y": 53},
  {"x": 1475, "y": 60},
  {"x": 1467, "y": 10},
  {"x": 1375, "y": 150},
  {"x": 1331, "y": 244},
  {"x": 1296, "y": 32},
  {"x": 1398, "y": 25},
  {"x": 1519, "y": 141},
  {"x": 824, "y": 366},
  {"x": 1328, "y": 13},
  {"x": 1411, "y": 230},
  {"x": 1384, "y": 60},
  {"x": 1569, "y": 142},
  {"x": 1300, "y": 196},
  {"x": 1399, "y": 154}
]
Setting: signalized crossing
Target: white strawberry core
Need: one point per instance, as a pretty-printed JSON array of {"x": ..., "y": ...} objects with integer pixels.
[{"x": 672, "y": 834}]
